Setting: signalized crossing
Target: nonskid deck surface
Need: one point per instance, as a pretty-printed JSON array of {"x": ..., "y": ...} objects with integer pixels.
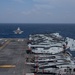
[{"x": 12, "y": 57}]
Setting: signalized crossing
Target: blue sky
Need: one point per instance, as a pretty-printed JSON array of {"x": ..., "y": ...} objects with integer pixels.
[{"x": 37, "y": 11}]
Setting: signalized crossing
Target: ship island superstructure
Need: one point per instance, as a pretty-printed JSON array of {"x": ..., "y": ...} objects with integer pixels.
[{"x": 51, "y": 54}]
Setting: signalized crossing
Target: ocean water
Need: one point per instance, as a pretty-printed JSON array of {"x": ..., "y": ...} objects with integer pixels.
[{"x": 66, "y": 30}]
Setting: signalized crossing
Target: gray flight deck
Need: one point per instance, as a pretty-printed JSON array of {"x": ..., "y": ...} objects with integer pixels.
[{"x": 12, "y": 57}]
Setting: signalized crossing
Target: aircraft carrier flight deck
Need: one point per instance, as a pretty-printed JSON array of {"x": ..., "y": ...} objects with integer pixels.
[{"x": 12, "y": 57}]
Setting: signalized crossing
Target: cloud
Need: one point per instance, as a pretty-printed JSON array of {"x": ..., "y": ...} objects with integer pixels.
[
  {"x": 26, "y": 12},
  {"x": 40, "y": 7},
  {"x": 44, "y": 4},
  {"x": 42, "y": 1},
  {"x": 40, "y": 11},
  {"x": 55, "y": 5},
  {"x": 46, "y": 1},
  {"x": 20, "y": 1},
  {"x": 36, "y": 12}
]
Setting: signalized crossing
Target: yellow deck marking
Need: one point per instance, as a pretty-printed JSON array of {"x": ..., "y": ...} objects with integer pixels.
[
  {"x": 5, "y": 44},
  {"x": 7, "y": 66}
]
